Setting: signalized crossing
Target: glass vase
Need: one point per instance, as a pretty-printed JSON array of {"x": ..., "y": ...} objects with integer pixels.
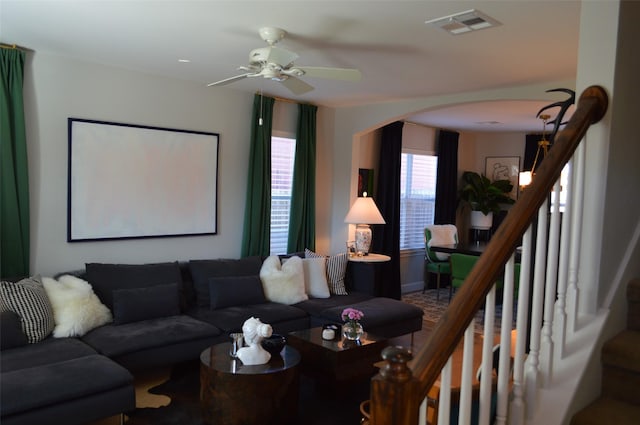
[{"x": 352, "y": 331}]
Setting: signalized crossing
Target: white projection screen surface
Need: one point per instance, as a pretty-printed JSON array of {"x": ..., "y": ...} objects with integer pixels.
[{"x": 128, "y": 181}]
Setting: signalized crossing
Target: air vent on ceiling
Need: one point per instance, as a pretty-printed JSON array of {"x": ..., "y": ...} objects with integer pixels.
[{"x": 463, "y": 22}]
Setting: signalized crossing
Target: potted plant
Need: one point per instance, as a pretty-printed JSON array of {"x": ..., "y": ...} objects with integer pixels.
[{"x": 484, "y": 197}]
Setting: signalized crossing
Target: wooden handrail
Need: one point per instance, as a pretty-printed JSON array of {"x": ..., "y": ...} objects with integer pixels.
[{"x": 395, "y": 400}]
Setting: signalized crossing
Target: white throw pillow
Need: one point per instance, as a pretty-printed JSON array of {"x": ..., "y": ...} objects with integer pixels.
[
  {"x": 336, "y": 268},
  {"x": 76, "y": 308},
  {"x": 283, "y": 283},
  {"x": 315, "y": 277}
]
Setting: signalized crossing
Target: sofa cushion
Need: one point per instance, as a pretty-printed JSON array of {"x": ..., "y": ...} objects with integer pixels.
[
  {"x": 336, "y": 270},
  {"x": 135, "y": 304},
  {"x": 283, "y": 283},
  {"x": 49, "y": 350},
  {"x": 235, "y": 290},
  {"x": 106, "y": 278},
  {"x": 112, "y": 340},
  {"x": 53, "y": 383},
  {"x": 76, "y": 308},
  {"x": 28, "y": 299},
  {"x": 11, "y": 334},
  {"x": 203, "y": 270},
  {"x": 230, "y": 319},
  {"x": 315, "y": 306},
  {"x": 315, "y": 277}
]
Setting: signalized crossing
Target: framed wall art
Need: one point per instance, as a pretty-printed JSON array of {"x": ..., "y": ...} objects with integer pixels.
[
  {"x": 504, "y": 168},
  {"x": 365, "y": 181},
  {"x": 132, "y": 181}
]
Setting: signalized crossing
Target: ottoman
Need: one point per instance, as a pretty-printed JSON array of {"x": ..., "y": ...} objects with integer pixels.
[{"x": 384, "y": 317}]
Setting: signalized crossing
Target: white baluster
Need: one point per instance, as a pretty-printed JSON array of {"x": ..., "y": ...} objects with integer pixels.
[
  {"x": 486, "y": 368},
  {"x": 422, "y": 412},
  {"x": 546, "y": 346},
  {"x": 466, "y": 376},
  {"x": 504, "y": 362},
  {"x": 533, "y": 360},
  {"x": 560, "y": 319},
  {"x": 517, "y": 408},
  {"x": 576, "y": 199},
  {"x": 444, "y": 395}
]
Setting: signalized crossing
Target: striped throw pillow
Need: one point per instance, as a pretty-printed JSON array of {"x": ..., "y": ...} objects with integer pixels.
[
  {"x": 336, "y": 269},
  {"x": 28, "y": 299}
]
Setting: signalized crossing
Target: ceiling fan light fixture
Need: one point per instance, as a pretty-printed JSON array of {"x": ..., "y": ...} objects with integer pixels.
[
  {"x": 464, "y": 22},
  {"x": 277, "y": 64}
]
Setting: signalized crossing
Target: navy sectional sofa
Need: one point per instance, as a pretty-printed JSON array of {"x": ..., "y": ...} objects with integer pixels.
[{"x": 164, "y": 313}]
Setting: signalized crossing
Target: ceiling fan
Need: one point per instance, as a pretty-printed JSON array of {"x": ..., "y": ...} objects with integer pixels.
[{"x": 276, "y": 63}]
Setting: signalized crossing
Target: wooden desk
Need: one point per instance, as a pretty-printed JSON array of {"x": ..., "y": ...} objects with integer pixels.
[
  {"x": 472, "y": 248},
  {"x": 235, "y": 394}
]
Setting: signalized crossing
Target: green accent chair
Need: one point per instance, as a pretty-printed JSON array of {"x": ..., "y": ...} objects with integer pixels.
[
  {"x": 461, "y": 265},
  {"x": 435, "y": 262}
]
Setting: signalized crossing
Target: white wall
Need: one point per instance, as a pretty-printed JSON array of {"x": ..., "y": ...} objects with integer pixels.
[
  {"x": 610, "y": 252},
  {"x": 57, "y": 88}
]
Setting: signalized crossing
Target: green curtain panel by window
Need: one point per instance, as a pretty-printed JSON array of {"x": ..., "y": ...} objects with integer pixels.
[
  {"x": 302, "y": 216},
  {"x": 257, "y": 213},
  {"x": 14, "y": 174}
]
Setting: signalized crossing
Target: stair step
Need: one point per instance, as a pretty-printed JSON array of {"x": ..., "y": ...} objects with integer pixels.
[
  {"x": 623, "y": 351},
  {"x": 608, "y": 411},
  {"x": 633, "y": 300},
  {"x": 621, "y": 384}
]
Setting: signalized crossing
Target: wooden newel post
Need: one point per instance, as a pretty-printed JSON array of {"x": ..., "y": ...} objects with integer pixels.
[{"x": 393, "y": 390}]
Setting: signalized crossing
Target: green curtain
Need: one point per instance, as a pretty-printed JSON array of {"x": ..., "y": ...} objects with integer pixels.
[
  {"x": 257, "y": 214},
  {"x": 14, "y": 173},
  {"x": 302, "y": 216}
]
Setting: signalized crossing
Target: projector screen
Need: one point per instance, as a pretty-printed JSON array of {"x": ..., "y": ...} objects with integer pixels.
[{"x": 131, "y": 181}]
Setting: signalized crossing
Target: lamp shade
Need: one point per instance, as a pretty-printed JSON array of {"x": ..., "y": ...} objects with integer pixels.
[{"x": 364, "y": 211}]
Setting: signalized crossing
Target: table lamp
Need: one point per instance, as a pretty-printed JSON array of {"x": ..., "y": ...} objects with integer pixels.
[{"x": 363, "y": 212}]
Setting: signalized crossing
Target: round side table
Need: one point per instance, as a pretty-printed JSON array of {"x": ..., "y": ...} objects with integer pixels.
[{"x": 232, "y": 393}]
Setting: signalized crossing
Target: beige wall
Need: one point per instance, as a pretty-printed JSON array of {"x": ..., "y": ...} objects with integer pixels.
[{"x": 57, "y": 88}]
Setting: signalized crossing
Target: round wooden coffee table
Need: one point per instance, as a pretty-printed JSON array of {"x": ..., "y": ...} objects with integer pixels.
[{"x": 232, "y": 393}]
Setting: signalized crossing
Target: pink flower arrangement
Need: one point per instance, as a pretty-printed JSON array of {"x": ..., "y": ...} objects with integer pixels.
[{"x": 352, "y": 315}]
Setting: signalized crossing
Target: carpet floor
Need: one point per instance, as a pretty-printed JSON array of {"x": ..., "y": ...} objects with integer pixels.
[{"x": 434, "y": 307}]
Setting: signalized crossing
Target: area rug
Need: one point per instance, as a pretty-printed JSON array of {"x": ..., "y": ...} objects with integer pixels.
[
  {"x": 434, "y": 307},
  {"x": 316, "y": 406}
]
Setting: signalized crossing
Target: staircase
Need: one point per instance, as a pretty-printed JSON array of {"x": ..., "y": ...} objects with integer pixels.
[{"x": 619, "y": 401}]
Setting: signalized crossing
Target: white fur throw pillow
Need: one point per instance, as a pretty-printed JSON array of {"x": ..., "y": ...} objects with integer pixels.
[
  {"x": 315, "y": 277},
  {"x": 283, "y": 283},
  {"x": 76, "y": 308}
]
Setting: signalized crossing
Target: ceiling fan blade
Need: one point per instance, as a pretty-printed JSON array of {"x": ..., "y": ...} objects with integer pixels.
[
  {"x": 281, "y": 56},
  {"x": 345, "y": 74},
  {"x": 296, "y": 85},
  {"x": 230, "y": 80}
]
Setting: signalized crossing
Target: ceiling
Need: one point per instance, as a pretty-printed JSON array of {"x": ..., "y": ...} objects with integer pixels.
[{"x": 400, "y": 56}]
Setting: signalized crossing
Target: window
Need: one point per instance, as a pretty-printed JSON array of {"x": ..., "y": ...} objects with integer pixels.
[
  {"x": 417, "y": 198},
  {"x": 282, "y": 156}
]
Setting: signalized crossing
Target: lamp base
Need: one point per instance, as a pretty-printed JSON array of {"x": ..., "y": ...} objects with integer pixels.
[{"x": 363, "y": 239}]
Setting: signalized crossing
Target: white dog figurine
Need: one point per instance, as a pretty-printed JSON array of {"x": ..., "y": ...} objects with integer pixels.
[{"x": 254, "y": 332}]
